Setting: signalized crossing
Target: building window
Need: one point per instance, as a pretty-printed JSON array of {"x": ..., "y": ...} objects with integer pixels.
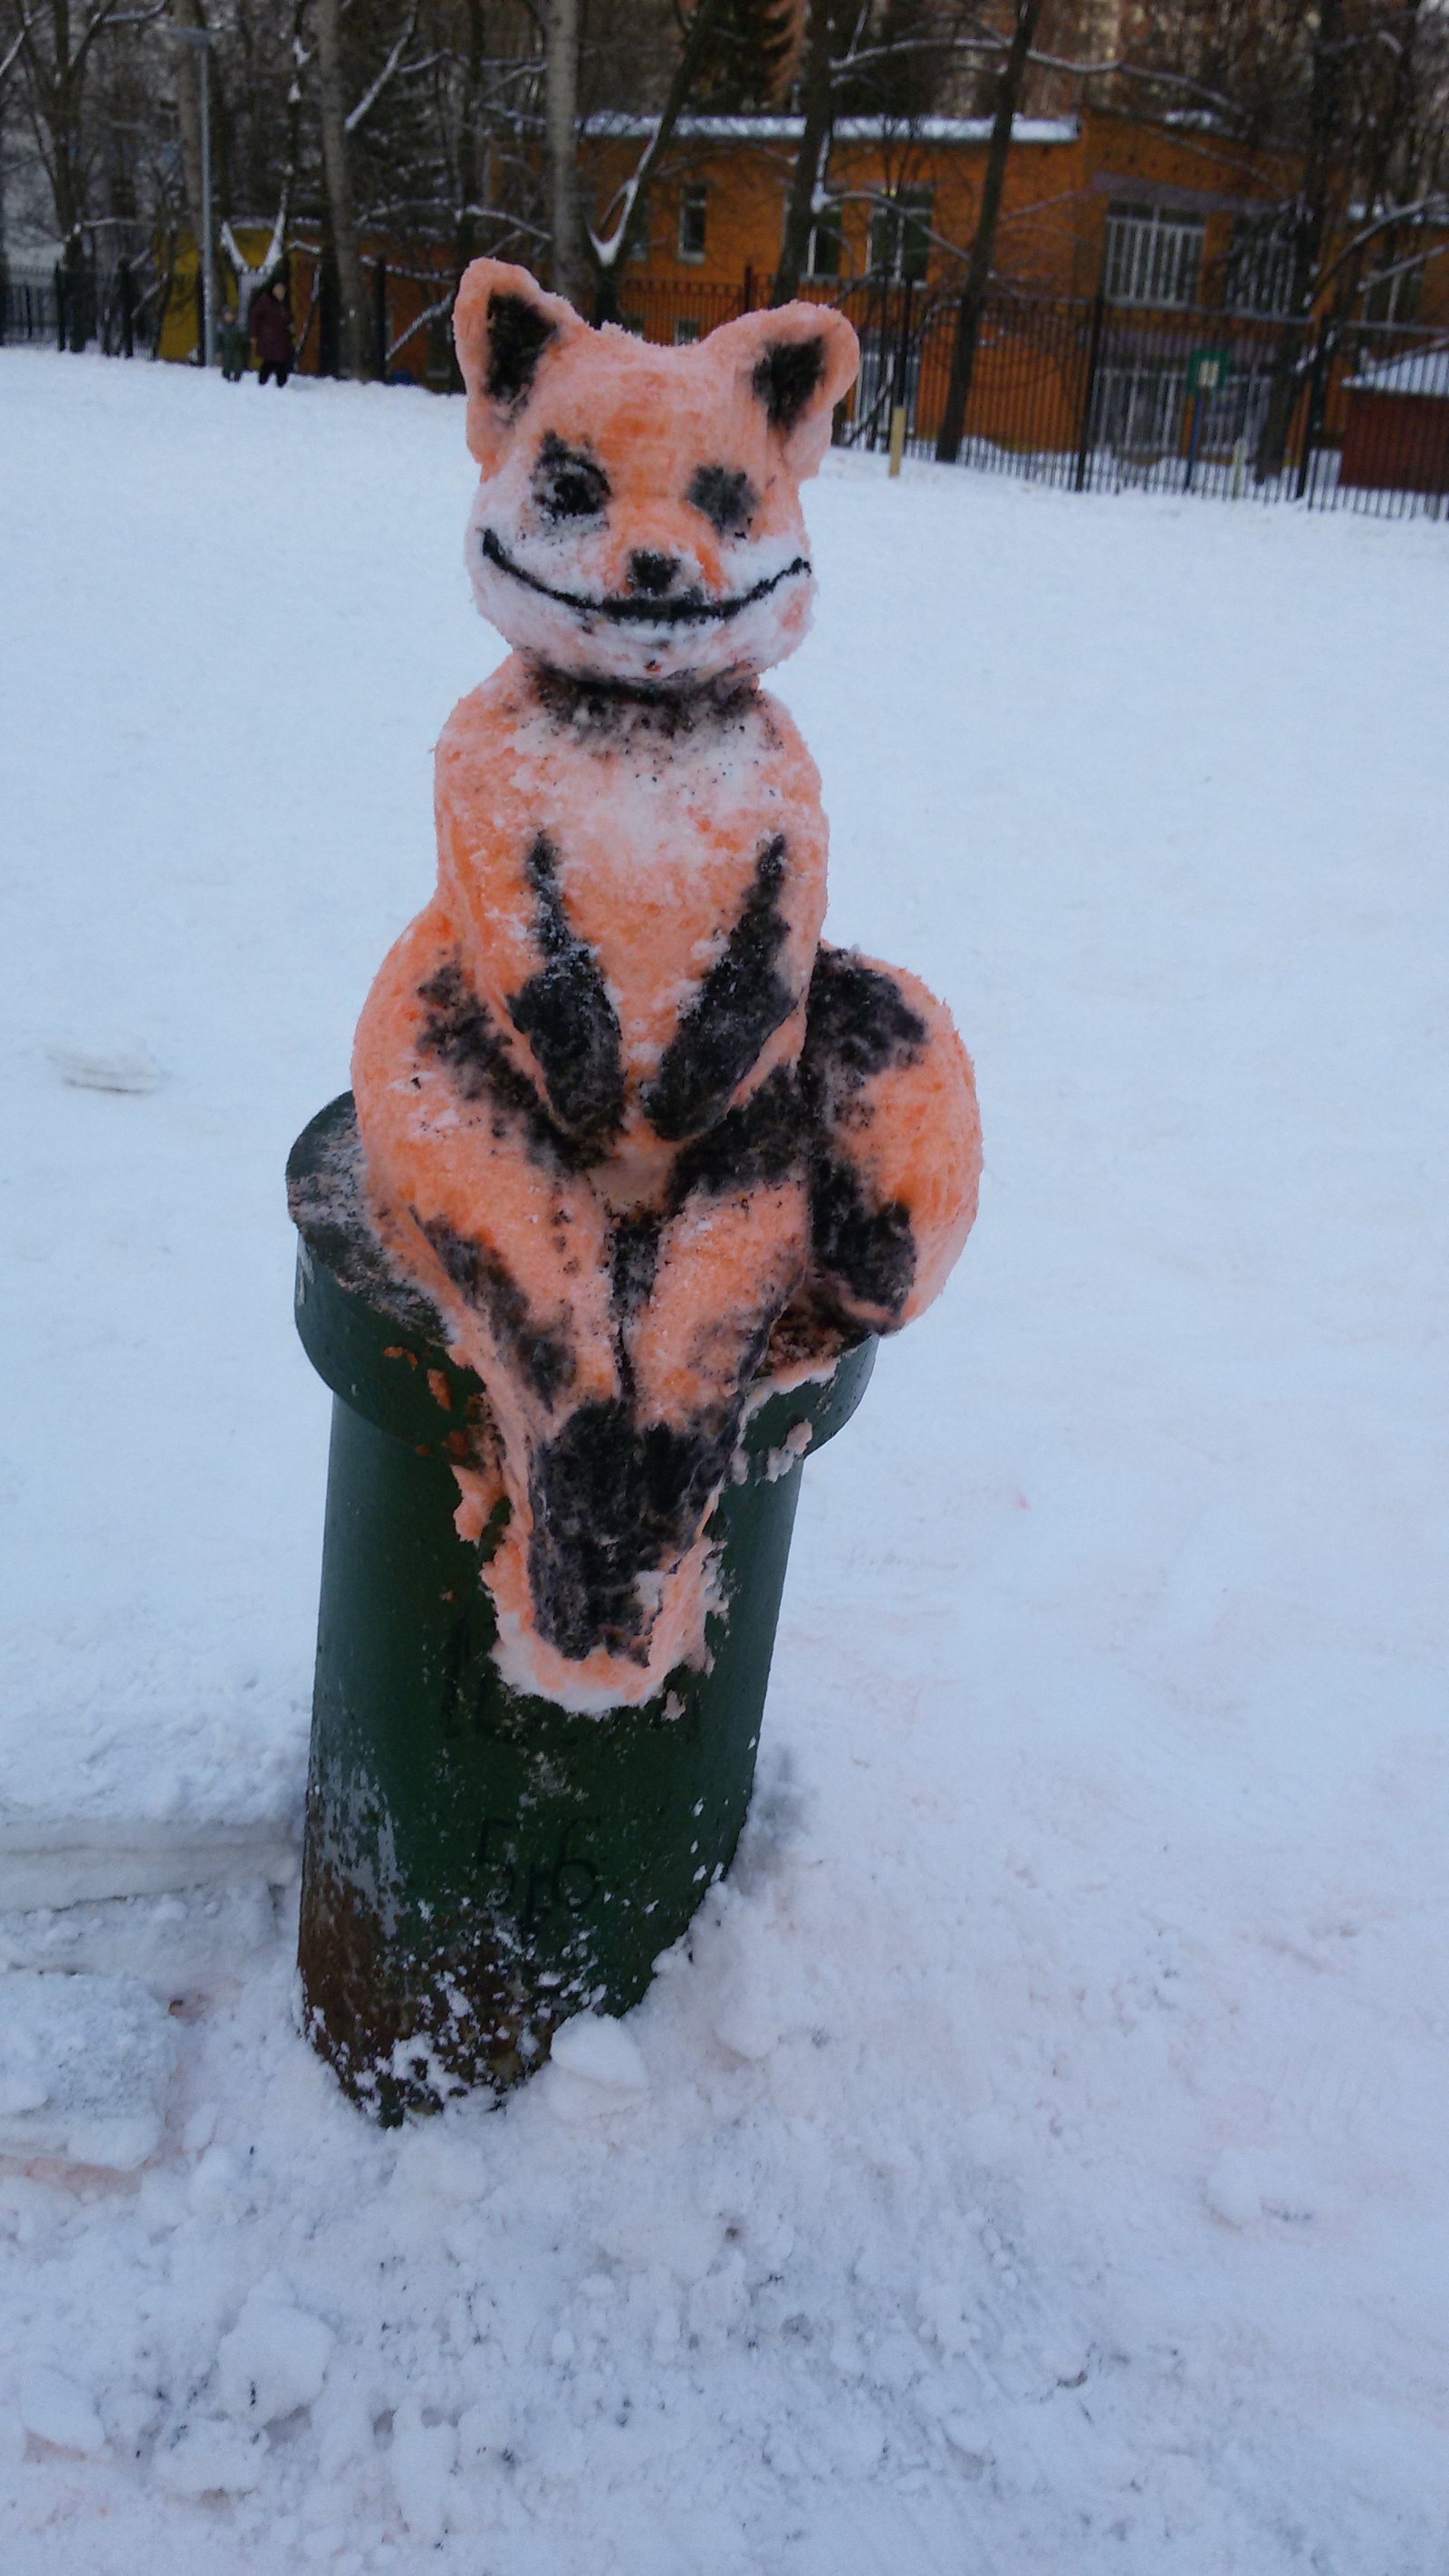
[
  {"x": 639, "y": 246},
  {"x": 879, "y": 381},
  {"x": 1393, "y": 297},
  {"x": 1260, "y": 265},
  {"x": 692, "y": 201},
  {"x": 1137, "y": 408},
  {"x": 900, "y": 237},
  {"x": 686, "y": 332},
  {"x": 1153, "y": 256},
  {"x": 822, "y": 258}
]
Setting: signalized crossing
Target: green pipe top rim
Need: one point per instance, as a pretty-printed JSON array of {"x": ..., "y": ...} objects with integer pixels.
[{"x": 379, "y": 1342}]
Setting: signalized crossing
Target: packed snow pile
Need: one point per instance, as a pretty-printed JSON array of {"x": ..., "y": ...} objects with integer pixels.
[
  {"x": 85, "y": 2066},
  {"x": 1033, "y": 2159}
]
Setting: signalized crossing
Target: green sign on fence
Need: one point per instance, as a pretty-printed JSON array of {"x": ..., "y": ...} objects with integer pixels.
[{"x": 1208, "y": 370}]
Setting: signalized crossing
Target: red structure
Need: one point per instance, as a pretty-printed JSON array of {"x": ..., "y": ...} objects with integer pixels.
[{"x": 1396, "y": 434}]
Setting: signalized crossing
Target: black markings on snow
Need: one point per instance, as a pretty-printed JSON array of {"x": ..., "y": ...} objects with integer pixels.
[
  {"x": 518, "y": 334},
  {"x": 633, "y": 1258},
  {"x": 566, "y": 1015},
  {"x": 688, "y": 609},
  {"x": 786, "y": 376},
  {"x": 752, "y": 1147},
  {"x": 728, "y": 500},
  {"x": 545, "y": 1362},
  {"x": 740, "y": 1003},
  {"x": 858, "y": 1025},
  {"x": 621, "y": 710},
  {"x": 868, "y": 1252},
  {"x": 611, "y": 1502},
  {"x": 651, "y": 573},
  {"x": 457, "y": 1030},
  {"x": 568, "y": 483}
]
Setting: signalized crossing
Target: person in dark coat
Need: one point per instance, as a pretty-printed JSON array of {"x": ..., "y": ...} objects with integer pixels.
[{"x": 270, "y": 324}]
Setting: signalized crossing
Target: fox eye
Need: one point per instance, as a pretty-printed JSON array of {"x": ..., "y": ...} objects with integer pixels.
[
  {"x": 729, "y": 501},
  {"x": 568, "y": 484}
]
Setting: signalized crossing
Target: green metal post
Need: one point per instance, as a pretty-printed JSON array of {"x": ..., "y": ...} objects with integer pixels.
[{"x": 480, "y": 1865}]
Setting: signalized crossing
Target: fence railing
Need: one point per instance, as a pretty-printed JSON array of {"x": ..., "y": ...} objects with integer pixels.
[
  {"x": 112, "y": 307},
  {"x": 1097, "y": 397},
  {"x": 1075, "y": 391},
  {"x": 27, "y": 310}
]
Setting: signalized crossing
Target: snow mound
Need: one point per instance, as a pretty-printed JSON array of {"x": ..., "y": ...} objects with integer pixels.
[
  {"x": 275, "y": 2358},
  {"x": 597, "y": 2068},
  {"x": 121, "y": 1064},
  {"x": 212, "y": 2458},
  {"x": 55, "y": 2409},
  {"x": 85, "y": 2066}
]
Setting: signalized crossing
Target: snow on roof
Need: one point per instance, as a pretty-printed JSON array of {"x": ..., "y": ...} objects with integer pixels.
[
  {"x": 1418, "y": 371},
  {"x": 610, "y": 128}
]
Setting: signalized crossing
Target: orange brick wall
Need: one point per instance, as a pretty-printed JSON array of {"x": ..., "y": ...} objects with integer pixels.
[{"x": 1054, "y": 208}]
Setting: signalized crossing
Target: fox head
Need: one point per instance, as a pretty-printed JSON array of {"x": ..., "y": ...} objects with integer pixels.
[{"x": 639, "y": 514}]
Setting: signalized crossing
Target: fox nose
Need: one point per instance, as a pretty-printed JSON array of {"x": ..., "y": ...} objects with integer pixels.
[{"x": 653, "y": 574}]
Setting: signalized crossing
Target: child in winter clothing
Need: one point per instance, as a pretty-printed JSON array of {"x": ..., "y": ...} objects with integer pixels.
[{"x": 270, "y": 324}]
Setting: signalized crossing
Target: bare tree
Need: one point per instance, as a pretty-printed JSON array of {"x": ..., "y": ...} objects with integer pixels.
[
  {"x": 608, "y": 250},
  {"x": 54, "y": 49},
  {"x": 1009, "y": 84},
  {"x": 562, "y": 114},
  {"x": 804, "y": 198},
  {"x": 1348, "y": 100},
  {"x": 333, "y": 102},
  {"x": 188, "y": 74}
]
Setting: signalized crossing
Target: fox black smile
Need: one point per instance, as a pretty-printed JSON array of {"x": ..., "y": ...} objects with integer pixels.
[{"x": 644, "y": 612}]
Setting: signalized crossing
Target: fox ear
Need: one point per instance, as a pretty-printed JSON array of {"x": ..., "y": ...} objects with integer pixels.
[
  {"x": 796, "y": 363},
  {"x": 504, "y": 327}
]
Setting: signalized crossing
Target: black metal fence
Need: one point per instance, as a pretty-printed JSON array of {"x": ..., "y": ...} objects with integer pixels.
[
  {"x": 1076, "y": 391},
  {"x": 115, "y": 308},
  {"x": 27, "y": 310},
  {"x": 1100, "y": 397}
]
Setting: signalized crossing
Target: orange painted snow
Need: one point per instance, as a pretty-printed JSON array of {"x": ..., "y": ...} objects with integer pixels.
[{"x": 630, "y": 840}]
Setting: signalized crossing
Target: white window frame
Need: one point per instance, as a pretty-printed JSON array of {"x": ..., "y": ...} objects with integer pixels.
[
  {"x": 893, "y": 221},
  {"x": 829, "y": 225},
  {"x": 1401, "y": 301},
  {"x": 693, "y": 200},
  {"x": 1260, "y": 265},
  {"x": 1153, "y": 255},
  {"x": 876, "y": 380}
]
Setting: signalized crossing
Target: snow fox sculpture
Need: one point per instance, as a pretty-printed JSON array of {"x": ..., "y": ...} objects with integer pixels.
[{"x": 620, "y": 1107}]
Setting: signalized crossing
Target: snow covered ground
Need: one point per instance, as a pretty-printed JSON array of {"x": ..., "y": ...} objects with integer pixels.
[{"x": 1041, "y": 2159}]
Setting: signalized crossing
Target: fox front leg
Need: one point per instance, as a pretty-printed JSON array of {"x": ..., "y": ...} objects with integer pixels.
[
  {"x": 619, "y": 1494},
  {"x": 482, "y": 1195}
]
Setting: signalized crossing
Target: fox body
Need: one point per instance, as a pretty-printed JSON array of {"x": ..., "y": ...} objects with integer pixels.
[{"x": 621, "y": 1109}]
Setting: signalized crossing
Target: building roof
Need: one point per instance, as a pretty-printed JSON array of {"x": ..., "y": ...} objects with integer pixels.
[
  {"x": 607, "y": 127},
  {"x": 1419, "y": 371}
]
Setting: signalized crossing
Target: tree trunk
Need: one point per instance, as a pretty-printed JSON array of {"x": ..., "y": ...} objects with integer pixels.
[
  {"x": 339, "y": 187},
  {"x": 817, "y": 98},
  {"x": 1324, "y": 119},
  {"x": 607, "y": 263},
  {"x": 470, "y": 172},
  {"x": 190, "y": 73},
  {"x": 58, "y": 87},
  {"x": 561, "y": 109},
  {"x": 978, "y": 265}
]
